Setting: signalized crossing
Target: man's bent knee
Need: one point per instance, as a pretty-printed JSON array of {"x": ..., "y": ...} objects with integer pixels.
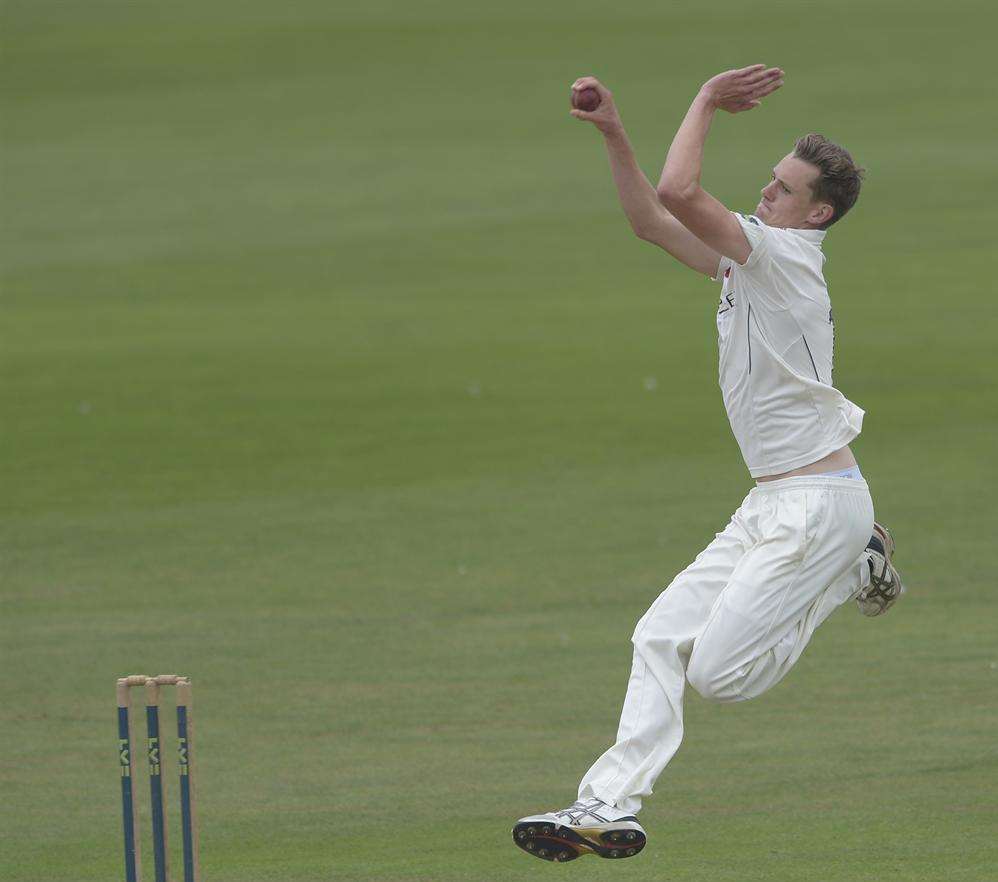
[{"x": 711, "y": 683}]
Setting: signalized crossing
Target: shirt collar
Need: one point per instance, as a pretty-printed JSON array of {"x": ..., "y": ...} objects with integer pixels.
[{"x": 814, "y": 236}]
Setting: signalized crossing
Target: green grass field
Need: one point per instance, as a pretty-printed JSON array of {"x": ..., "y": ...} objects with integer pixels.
[{"x": 333, "y": 377}]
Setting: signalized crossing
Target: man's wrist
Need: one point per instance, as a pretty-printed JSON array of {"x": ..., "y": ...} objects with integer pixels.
[
  {"x": 615, "y": 132},
  {"x": 705, "y": 99}
]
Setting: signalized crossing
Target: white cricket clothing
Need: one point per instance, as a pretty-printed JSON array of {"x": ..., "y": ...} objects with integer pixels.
[
  {"x": 775, "y": 338},
  {"x": 737, "y": 619}
]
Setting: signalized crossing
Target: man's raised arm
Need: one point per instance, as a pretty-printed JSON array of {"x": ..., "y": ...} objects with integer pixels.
[
  {"x": 649, "y": 219},
  {"x": 679, "y": 187}
]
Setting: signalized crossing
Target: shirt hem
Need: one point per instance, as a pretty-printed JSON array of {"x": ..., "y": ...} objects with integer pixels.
[{"x": 800, "y": 461}]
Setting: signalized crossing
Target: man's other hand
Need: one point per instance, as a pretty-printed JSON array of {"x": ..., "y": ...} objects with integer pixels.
[{"x": 743, "y": 89}]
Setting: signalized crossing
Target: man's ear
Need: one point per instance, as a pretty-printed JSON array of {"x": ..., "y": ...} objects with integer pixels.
[{"x": 821, "y": 214}]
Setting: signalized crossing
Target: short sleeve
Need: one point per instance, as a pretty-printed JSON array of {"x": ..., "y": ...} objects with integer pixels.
[{"x": 756, "y": 233}]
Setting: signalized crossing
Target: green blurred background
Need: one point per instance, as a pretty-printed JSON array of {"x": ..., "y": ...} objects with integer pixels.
[{"x": 333, "y": 376}]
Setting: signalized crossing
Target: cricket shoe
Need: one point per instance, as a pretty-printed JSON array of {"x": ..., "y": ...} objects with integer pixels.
[
  {"x": 885, "y": 581},
  {"x": 590, "y": 826}
]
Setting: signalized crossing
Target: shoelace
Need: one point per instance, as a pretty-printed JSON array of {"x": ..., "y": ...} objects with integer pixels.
[
  {"x": 578, "y": 810},
  {"x": 884, "y": 584},
  {"x": 885, "y": 587}
]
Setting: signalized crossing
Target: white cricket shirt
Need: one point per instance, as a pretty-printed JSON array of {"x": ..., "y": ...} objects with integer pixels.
[{"x": 775, "y": 338}]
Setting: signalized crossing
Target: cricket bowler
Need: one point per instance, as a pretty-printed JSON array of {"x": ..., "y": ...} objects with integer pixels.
[{"x": 804, "y": 541}]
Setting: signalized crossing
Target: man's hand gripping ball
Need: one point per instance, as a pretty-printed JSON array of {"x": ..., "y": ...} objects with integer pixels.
[{"x": 593, "y": 102}]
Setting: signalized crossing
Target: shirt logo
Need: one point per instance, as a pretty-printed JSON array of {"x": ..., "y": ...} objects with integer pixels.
[{"x": 726, "y": 303}]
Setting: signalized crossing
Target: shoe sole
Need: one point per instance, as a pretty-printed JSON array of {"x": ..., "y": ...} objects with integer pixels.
[{"x": 554, "y": 842}]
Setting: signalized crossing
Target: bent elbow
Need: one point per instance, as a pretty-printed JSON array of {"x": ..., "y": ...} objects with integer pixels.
[
  {"x": 648, "y": 233},
  {"x": 675, "y": 192}
]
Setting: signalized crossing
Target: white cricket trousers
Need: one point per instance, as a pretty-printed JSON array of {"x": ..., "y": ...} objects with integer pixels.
[{"x": 737, "y": 619}]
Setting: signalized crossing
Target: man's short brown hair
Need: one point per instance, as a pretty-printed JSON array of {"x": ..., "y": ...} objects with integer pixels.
[{"x": 839, "y": 178}]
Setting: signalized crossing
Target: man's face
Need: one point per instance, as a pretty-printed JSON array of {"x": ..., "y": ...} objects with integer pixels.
[{"x": 787, "y": 200}]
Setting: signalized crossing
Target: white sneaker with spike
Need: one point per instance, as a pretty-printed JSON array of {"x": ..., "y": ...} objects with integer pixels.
[{"x": 589, "y": 826}]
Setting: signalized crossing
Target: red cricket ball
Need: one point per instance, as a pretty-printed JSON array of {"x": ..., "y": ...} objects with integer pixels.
[{"x": 585, "y": 99}]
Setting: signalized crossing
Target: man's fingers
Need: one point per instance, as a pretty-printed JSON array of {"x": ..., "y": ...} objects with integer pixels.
[
  {"x": 755, "y": 74},
  {"x": 766, "y": 89},
  {"x": 581, "y": 114},
  {"x": 762, "y": 86},
  {"x": 746, "y": 72},
  {"x": 765, "y": 76},
  {"x": 590, "y": 83},
  {"x": 753, "y": 99}
]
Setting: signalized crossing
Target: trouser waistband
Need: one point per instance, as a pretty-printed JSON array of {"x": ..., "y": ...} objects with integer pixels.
[{"x": 800, "y": 482}]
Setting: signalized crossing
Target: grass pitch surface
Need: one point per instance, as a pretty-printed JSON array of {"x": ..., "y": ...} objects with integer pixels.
[{"x": 333, "y": 377}]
